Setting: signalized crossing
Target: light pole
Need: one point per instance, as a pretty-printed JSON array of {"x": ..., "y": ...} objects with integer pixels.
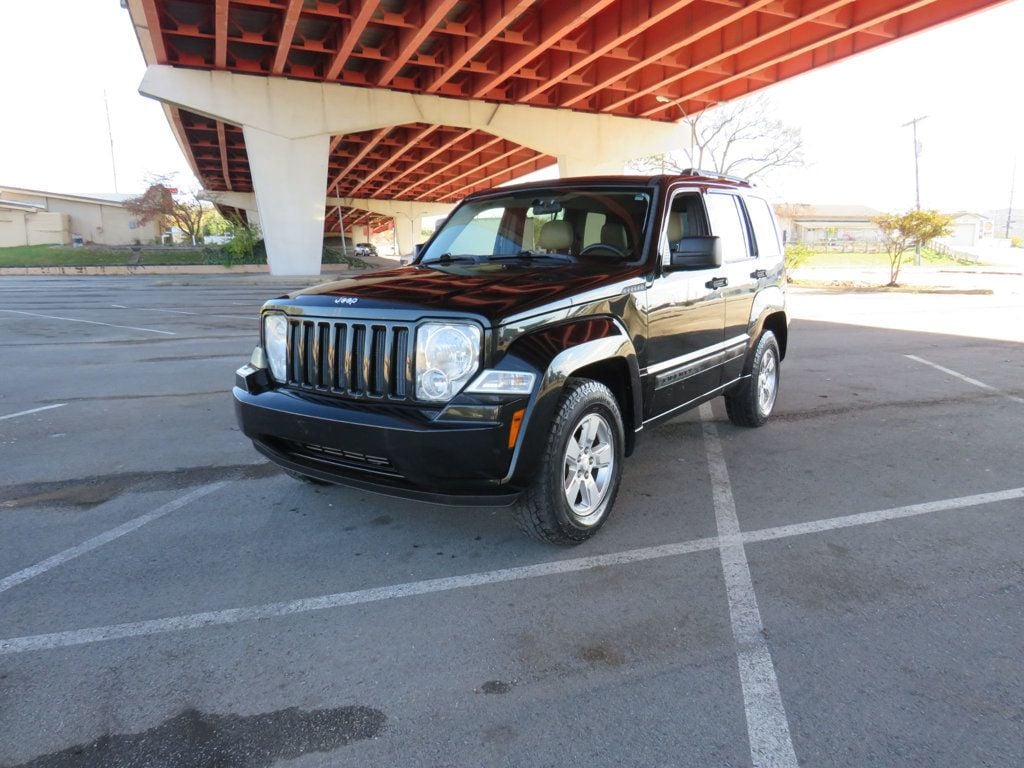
[
  {"x": 917, "y": 179},
  {"x": 693, "y": 137}
]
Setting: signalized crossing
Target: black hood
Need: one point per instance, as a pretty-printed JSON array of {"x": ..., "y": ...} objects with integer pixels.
[{"x": 492, "y": 289}]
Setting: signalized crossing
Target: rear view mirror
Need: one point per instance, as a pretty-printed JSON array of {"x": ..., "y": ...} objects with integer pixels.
[{"x": 696, "y": 253}]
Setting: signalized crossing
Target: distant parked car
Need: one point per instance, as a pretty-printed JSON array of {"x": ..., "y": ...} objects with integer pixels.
[{"x": 365, "y": 249}]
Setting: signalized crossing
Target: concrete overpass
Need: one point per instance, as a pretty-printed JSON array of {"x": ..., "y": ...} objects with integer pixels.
[{"x": 341, "y": 114}]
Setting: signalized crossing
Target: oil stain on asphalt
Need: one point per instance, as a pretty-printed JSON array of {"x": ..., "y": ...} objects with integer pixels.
[{"x": 194, "y": 739}]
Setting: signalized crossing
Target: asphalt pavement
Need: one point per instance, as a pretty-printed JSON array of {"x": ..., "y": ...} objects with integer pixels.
[{"x": 842, "y": 587}]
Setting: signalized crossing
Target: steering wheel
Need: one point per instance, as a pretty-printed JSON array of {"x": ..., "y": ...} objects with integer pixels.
[{"x": 604, "y": 246}]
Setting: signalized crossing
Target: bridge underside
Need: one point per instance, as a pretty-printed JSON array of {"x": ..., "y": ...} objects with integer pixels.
[{"x": 644, "y": 60}]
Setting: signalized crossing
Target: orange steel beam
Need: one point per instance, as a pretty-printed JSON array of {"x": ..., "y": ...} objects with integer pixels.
[
  {"x": 155, "y": 30},
  {"x": 916, "y": 17},
  {"x": 414, "y": 141},
  {"x": 614, "y": 28},
  {"x": 477, "y": 182},
  {"x": 668, "y": 38},
  {"x": 452, "y": 164},
  {"x": 805, "y": 39},
  {"x": 493, "y": 19},
  {"x": 475, "y": 169},
  {"x": 709, "y": 50},
  {"x": 375, "y": 139},
  {"x": 284, "y": 42},
  {"x": 220, "y": 34},
  {"x": 427, "y": 158},
  {"x": 409, "y": 40},
  {"x": 222, "y": 141},
  {"x": 555, "y": 19},
  {"x": 350, "y": 38}
]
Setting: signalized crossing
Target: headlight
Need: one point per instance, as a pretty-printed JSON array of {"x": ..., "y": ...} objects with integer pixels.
[
  {"x": 275, "y": 341},
  {"x": 447, "y": 354}
]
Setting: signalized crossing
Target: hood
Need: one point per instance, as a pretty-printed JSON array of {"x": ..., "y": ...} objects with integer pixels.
[{"x": 494, "y": 290}]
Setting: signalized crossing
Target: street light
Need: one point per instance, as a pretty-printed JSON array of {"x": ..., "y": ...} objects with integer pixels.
[{"x": 693, "y": 136}]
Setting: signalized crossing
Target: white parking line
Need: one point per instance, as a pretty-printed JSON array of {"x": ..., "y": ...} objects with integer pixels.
[
  {"x": 183, "y": 312},
  {"x": 767, "y": 727},
  {"x": 968, "y": 379},
  {"x": 90, "y": 322},
  {"x": 105, "y": 538},
  {"x": 32, "y": 410},
  {"x": 272, "y": 610}
]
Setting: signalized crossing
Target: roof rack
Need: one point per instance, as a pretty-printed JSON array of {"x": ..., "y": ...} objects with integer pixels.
[{"x": 715, "y": 175}]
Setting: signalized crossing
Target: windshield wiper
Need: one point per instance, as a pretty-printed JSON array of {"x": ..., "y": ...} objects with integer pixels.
[
  {"x": 530, "y": 256},
  {"x": 452, "y": 258}
]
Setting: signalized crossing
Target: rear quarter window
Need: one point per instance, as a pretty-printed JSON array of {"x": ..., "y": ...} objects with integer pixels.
[{"x": 765, "y": 231}]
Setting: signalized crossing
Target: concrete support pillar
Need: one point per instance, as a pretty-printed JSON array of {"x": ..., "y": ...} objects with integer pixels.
[
  {"x": 288, "y": 124},
  {"x": 289, "y": 176},
  {"x": 252, "y": 215},
  {"x": 408, "y": 230},
  {"x": 579, "y": 166}
]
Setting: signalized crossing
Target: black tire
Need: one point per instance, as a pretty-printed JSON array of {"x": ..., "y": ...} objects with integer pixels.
[
  {"x": 304, "y": 478},
  {"x": 543, "y": 511},
  {"x": 745, "y": 405}
]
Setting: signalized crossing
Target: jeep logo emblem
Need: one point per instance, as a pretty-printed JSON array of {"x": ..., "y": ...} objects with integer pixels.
[{"x": 350, "y": 300}]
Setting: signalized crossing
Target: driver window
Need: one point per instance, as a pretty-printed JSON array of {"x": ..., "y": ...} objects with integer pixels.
[{"x": 685, "y": 219}]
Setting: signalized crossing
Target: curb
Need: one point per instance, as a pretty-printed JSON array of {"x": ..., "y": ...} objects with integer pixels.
[{"x": 180, "y": 269}]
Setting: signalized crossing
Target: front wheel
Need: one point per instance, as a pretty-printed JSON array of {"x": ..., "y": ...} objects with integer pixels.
[
  {"x": 579, "y": 472},
  {"x": 751, "y": 403}
]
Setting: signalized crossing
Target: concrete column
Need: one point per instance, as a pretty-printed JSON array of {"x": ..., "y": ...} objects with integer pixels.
[
  {"x": 408, "y": 230},
  {"x": 252, "y": 215},
  {"x": 578, "y": 166},
  {"x": 289, "y": 176}
]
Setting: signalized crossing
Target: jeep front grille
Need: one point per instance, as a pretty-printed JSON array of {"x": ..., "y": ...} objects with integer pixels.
[{"x": 359, "y": 360}]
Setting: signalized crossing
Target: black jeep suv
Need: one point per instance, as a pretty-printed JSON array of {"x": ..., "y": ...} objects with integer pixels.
[{"x": 523, "y": 353}]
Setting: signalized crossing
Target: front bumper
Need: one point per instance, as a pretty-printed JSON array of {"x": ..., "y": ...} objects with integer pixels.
[{"x": 460, "y": 457}]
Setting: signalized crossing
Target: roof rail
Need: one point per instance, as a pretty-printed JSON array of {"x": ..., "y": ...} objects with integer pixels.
[{"x": 715, "y": 175}]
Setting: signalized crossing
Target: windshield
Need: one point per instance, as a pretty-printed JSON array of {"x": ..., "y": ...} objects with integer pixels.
[{"x": 555, "y": 224}]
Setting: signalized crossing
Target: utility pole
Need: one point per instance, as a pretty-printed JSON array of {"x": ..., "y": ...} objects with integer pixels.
[
  {"x": 1009, "y": 211},
  {"x": 917, "y": 178},
  {"x": 110, "y": 136}
]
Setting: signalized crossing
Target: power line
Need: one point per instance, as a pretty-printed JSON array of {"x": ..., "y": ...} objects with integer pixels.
[{"x": 110, "y": 136}]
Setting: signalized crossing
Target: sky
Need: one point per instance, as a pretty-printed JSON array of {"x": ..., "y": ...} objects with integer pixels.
[{"x": 965, "y": 76}]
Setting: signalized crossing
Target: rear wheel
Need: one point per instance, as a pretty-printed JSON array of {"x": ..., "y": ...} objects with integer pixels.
[
  {"x": 752, "y": 402},
  {"x": 579, "y": 472}
]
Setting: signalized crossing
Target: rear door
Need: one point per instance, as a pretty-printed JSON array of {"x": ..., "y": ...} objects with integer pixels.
[{"x": 729, "y": 221}]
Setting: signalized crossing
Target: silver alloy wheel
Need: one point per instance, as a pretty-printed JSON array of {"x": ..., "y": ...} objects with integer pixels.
[
  {"x": 767, "y": 382},
  {"x": 588, "y": 468}
]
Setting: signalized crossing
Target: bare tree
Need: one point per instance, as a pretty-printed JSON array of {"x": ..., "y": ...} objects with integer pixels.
[
  {"x": 160, "y": 202},
  {"x": 738, "y": 138}
]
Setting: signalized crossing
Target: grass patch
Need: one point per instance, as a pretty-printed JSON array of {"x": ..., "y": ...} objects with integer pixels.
[
  {"x": 96, "y": 256},
  {"x": 881, "y": 260}
]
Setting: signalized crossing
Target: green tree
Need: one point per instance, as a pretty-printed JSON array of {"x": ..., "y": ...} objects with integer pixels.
[
  {"x": 161, "y": 202},
  {"x": 901, "y": 232}
]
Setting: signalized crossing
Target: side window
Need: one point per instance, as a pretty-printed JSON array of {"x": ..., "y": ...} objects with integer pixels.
[
  {"x": 685, "y": 219},
  {"x": 727, "y": 222},
  {"x": 765, "y": 231}
]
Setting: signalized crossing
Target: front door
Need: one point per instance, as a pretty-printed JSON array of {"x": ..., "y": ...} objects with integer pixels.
[{"x": 685, "y": 319}]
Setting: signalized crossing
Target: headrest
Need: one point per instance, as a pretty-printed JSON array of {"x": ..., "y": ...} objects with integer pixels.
[
  {"x": 675, "y": 226},
  {"x": 555, "y": 236},
  {"x": 614, "y": 233}
]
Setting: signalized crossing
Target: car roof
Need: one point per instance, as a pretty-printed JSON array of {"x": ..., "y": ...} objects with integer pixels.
[{"x": 689, "y": 176}]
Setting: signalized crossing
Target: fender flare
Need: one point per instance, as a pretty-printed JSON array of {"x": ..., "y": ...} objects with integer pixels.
[{"x": 599, "y": 340}]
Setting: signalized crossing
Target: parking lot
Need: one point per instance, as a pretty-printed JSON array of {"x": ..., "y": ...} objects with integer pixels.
[{"x": 843, "y": 587}]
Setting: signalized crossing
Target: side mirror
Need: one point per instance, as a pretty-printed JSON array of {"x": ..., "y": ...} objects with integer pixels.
[
  {"x": 416, "y": 249},
  {"x": 696, "y": 253}
]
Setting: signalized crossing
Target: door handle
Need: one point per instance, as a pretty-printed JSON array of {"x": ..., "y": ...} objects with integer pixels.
[
  {"x": 759, "y": 274},
  {"x": 716, "y": 282}
]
